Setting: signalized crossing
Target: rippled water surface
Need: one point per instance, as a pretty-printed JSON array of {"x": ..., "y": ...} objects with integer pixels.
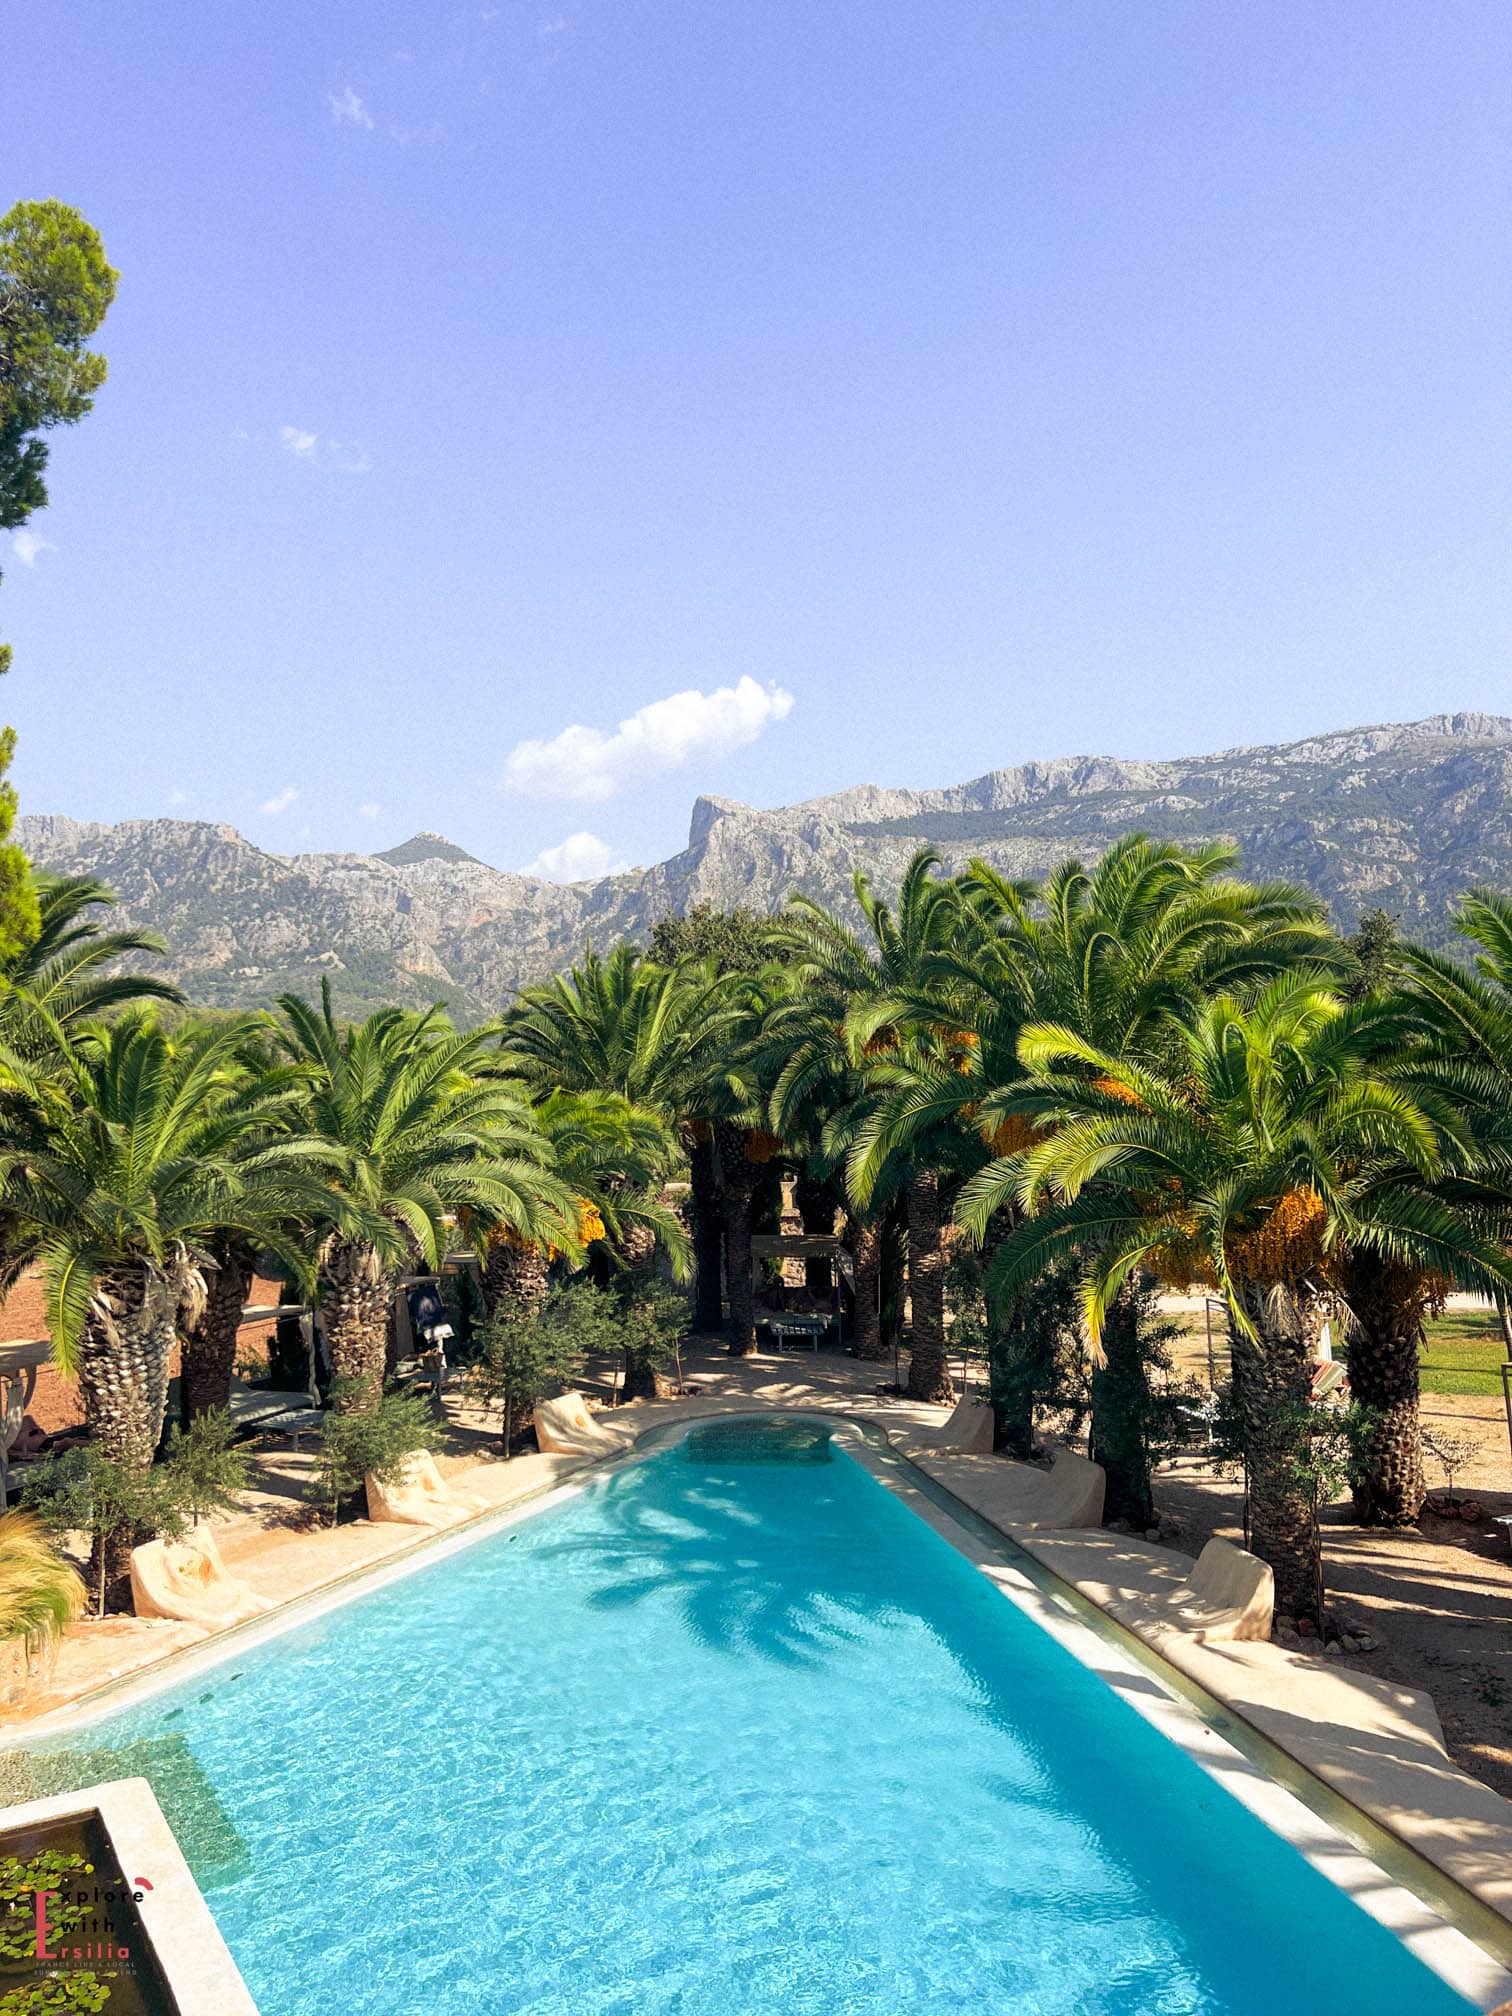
[{"x": 730, "y": 1732}]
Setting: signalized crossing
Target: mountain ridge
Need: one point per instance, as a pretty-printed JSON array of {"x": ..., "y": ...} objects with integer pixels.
[{"x": 1406, "y": 815}]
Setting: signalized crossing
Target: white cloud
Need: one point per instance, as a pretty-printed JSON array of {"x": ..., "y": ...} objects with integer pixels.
[
  {"x": 587, "y": 764},
  {"x": 178, "y": 797},
  {"x": 28, "y": 545},
  {"x": 319, "y": 451},
  {"x": 581, "y": 857},
  {"x": 370, "y": 810},
  {"x": 347, "y": 109},
  {"x": 280, "y": 801}
]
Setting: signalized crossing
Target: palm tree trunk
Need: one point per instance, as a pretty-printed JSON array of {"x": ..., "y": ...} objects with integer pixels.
[
  {"x": 208, "y": 1344},
  {"x": 516, "y": 1280},
  {"x": 866, "y": 1252},
  {"x": 708, "y": 1236},
  {"x": 1386, "y": 1302},
  {"x": 738, "y": 1177},
  {"x": 356, "y": 1294},
  {"x": 928, "y": 1371},
  {"x": 123, "y": 1363},
  {"x": 637, "y": 1247},
  {"x": 1120, "y": 1412},
  {"x": 1273, "y": 1387},
  {"x": 123, "y": 1381},
  {"x": 1016, "y": 1351}
]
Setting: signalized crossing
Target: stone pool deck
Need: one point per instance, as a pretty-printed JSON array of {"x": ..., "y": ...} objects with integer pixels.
[{"x": 1375, "y": 1744}]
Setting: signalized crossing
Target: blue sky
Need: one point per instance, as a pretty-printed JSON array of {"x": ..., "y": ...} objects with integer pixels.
[{"x": 876, "y": 390}]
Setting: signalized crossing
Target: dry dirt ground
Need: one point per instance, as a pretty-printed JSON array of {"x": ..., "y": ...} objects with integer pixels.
[{"x": 1438, "y": 1599}]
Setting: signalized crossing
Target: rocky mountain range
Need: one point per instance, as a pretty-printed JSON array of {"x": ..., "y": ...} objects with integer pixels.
[{"x": 1404, "y": 816}]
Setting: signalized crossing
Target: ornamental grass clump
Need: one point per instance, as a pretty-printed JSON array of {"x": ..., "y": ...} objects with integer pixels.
[{"x": 40, "y": 1593}]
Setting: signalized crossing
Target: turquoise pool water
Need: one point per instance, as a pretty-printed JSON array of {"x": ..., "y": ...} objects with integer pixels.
[{"x": 725, "y": 1735}]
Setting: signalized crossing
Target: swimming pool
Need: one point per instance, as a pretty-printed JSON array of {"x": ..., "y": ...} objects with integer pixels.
[{"x": 731, "y": 1730}]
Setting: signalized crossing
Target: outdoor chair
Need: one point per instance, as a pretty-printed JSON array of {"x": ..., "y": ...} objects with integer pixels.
[
  {"x": 968, "y": 1431},
  {"x": 564, "y": 1427},
  {"x": 186, "y": 1580},
  {"x": 418, "y": 1496}
]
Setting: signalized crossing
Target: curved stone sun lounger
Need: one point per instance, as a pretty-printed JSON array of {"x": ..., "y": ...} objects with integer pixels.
[
  {"x": 1070, "y": 1493},
  {"x": 1021, "y": 1496},
  {"x": 418, "y": 1496},
  {"x": 1223, "y": 1596},
  {"x": 1229, "y": 1594},
  {"x": 564, "y": 1427},
  {"x": 968, "y": 1431},
  {"x": 187, "y": 1581}
]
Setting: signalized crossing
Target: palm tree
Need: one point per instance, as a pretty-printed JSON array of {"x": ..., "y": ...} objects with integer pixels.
[
  {"x": 153, "y": 1150},
  {"x": 622, "y": 1024},
  {"x": 408, "y": 1136},
  {"x": 1265, "y": 1143},
  {"x": 1120, "y": 954},
  {"x": 815, "y": 1085},
  {"x": 656, "y": 1035},
  {"x": 1117, "y": 954},
  {"x": 58, "y": 982},
  {"x": 849, "y": 1021},
  {"x": 209, "y": 1317},
  {"x": 1463, "y": 1065},
  {"x": 733, "y": 1091},
  {"x": 53, "y": 986},
  {"x": 614, "y": 1157}
]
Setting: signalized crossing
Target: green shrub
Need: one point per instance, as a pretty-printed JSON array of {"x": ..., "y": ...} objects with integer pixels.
[
  {"x": 85, "y": 1491},
  {"x": 522, "y": 1362},
  {"x": 376, "y": 1443},
  {"x": 202, "y": 1473},
  {"x": 653, "y": 1321}
]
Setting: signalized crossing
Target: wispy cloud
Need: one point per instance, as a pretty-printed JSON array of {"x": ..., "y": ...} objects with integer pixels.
[
  {"x": 27, "y": 546},
  {"x": 322, "y": 451},
  {"x": 178, "y": 797},
  {"x": 590, "y": 765},
  {"x": 370, "y": 810},
  {"x": 581, "y": 857},
  {"x": 279, "y": 802},
  {"x": 347, "y": 109}
]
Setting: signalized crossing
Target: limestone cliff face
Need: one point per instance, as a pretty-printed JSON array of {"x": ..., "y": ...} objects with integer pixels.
[{"x": 1406, "y": 816}]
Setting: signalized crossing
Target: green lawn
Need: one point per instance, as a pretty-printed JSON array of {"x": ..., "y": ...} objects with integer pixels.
[{"x": 1463, "y": 1353}]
